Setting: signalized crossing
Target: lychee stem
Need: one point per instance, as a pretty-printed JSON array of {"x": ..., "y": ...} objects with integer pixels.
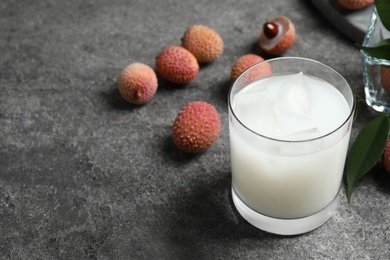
[{"x": 270, "y": 29}]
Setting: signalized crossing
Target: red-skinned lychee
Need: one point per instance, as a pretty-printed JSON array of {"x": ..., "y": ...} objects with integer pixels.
[
  {"x": 247, "y": 60},
  {"x": 203, "y": 42},
  {"x": 196, "y": 127},
  {"x": 355, "y": 4},
  {"x": 177, "y": 65},
  {"x": 386, "y": 157},
  {"x": 137, "y": 83}
]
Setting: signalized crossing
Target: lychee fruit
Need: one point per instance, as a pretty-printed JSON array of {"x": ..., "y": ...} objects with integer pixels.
[
  {"x": 196, "y": 127},
  {"x": 137, "y": 83},
  {"x": 386, "y": 157},
  {"x": 355, "y": 4},
  {"x": 177, "y": 65},
  {"x": 203, "y": 42},
  {"x": 247, "y": 60},
  {"x": 277, "y": 35},
  {"x": 385, "y": 78}
]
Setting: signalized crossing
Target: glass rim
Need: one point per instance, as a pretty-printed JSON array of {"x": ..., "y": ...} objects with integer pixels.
[{"x": 351, "y": 112}]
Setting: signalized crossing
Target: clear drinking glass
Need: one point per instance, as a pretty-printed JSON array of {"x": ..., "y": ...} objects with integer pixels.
[
  {"x": 376, "y": 72},
  {"x": 289, "y": 135}
]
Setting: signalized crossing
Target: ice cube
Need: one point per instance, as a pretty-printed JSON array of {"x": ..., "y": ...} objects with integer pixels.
[
  {"x": 255, "y": 110},
  {"x": 303, "y": 134},
  {"x": 301, "y": 148},
  {"x": 249, "y": 97},
  {"x": 294, "y": 97}
]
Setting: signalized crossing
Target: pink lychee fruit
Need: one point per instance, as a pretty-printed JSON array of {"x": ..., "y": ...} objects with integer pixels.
[
  {"x": 203, "y": 42},
  {"x": 386, "y": 157},
  {"x": 137, "y": 83},
  {"x": 177, "y": 65},
  {"x": 247, "y": 60},
  {"x": 355, "y": 4},
  {"x": 196, "y": 127}
]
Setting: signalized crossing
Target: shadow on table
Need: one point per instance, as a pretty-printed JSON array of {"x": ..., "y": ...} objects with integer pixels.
[
  {"x": 381, "y": 178},
  {"x": 204, "y": 220},
  {"x": 114, "y": 100}
]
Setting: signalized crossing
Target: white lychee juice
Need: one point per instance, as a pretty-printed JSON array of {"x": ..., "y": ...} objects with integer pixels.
[{"x": 289, "y": 136}]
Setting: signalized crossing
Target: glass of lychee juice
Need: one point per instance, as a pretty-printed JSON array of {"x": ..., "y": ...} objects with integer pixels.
[{"x": 290, "y": 121}]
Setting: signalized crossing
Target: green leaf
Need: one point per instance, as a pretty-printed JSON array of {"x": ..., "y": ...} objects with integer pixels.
[
  {"x": 366, "y": 150},
  {"x": 380, "y": 51},
  {"x": 383, "y": 8}
]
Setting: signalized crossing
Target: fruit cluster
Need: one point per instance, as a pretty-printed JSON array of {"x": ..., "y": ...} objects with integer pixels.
[{"x": 197, "y": 125}]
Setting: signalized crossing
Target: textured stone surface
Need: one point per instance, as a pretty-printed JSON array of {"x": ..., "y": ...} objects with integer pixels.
[{"x": 84, "y": 175}]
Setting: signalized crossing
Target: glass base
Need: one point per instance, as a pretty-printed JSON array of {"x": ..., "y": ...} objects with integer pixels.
[
  {"x": 284, "y": 226},
  {"x": 379, "y": 106}
]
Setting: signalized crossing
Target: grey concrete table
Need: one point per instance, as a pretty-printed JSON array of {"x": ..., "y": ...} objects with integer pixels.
[{"x": 84, "y": 175}]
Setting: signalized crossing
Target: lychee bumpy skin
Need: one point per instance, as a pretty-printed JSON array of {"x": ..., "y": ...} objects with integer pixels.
[
  {"x": 196, "y": 127},
  {"x": 355, "y": 4},
  {"x": 247, "y": 60},
  {"x": 177, "y": 65},
  {"x": 203, "y": 42},
  {"x": 137, "y": 83}
]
